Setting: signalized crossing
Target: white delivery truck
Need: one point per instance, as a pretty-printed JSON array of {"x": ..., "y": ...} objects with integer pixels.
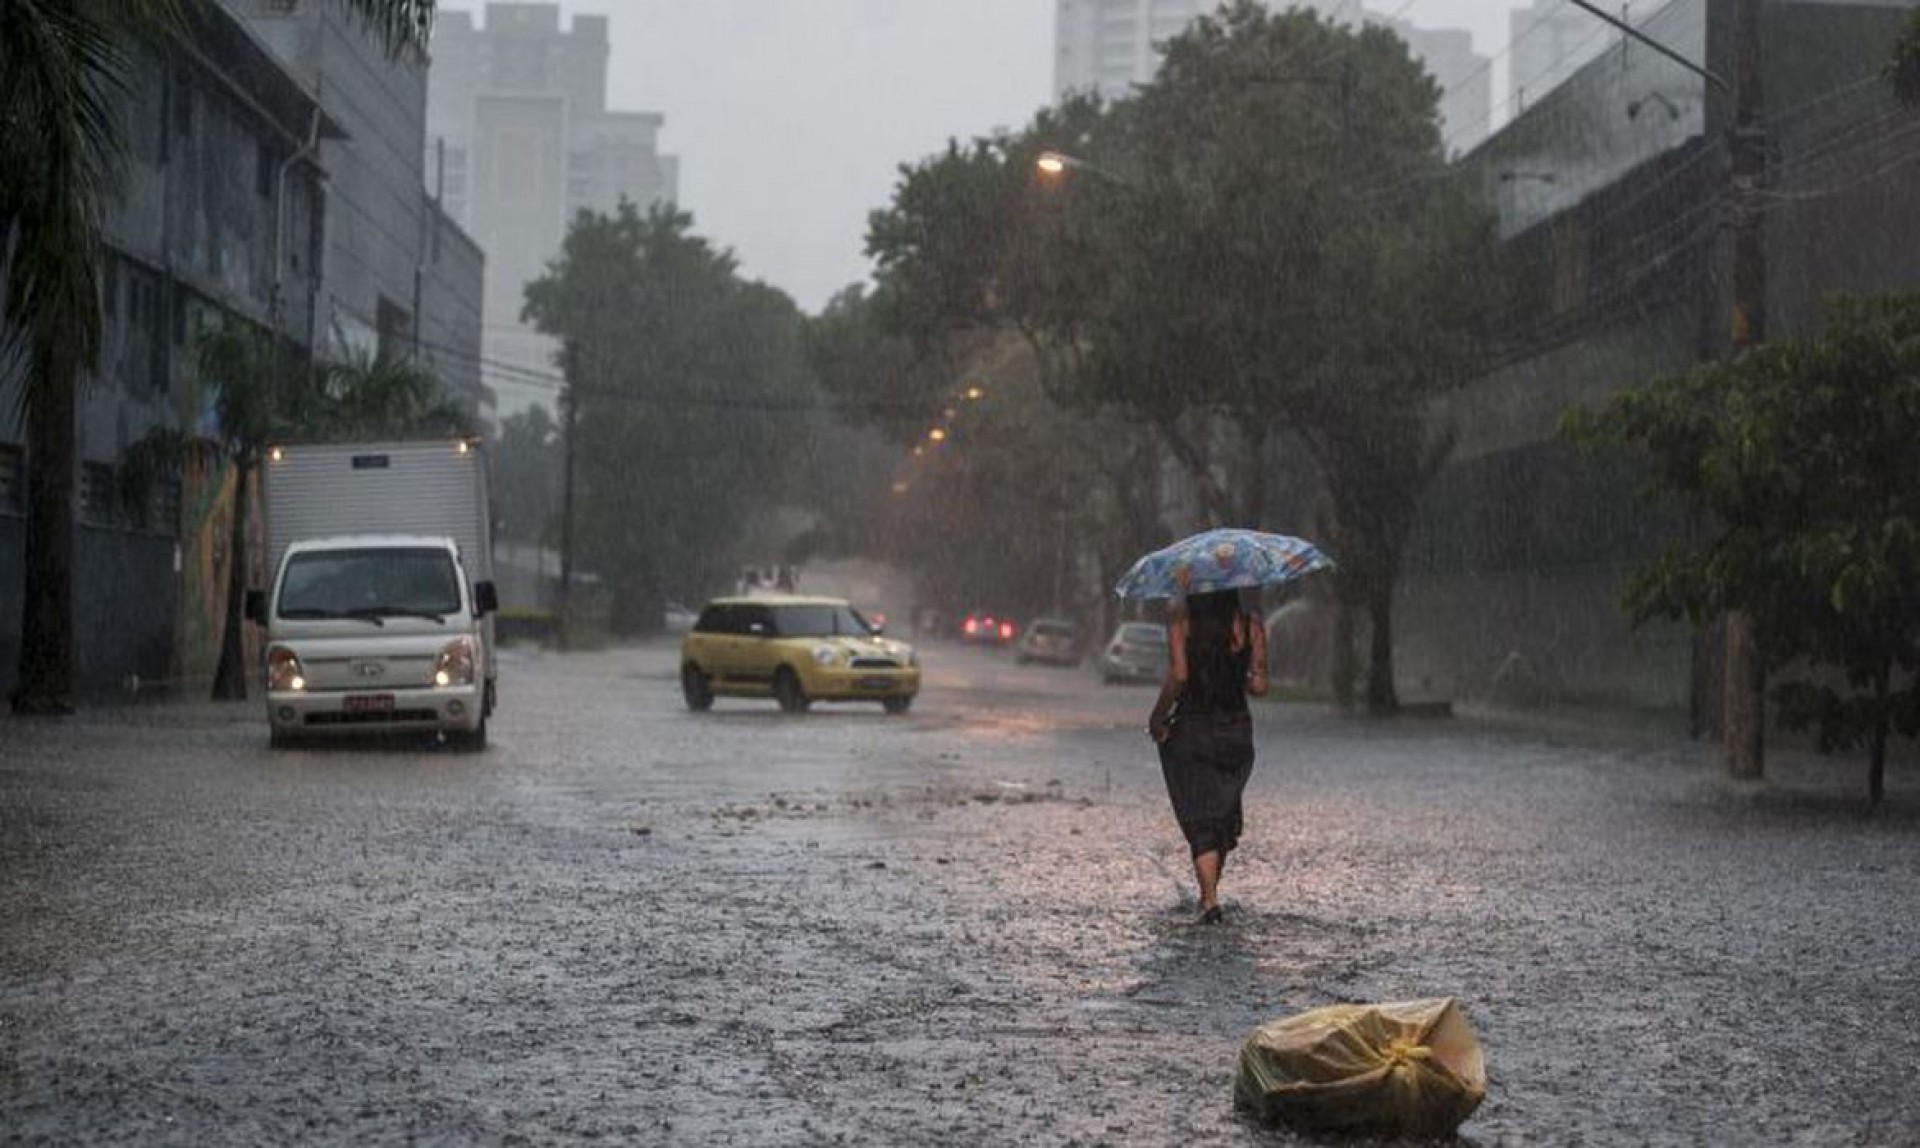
[{"x": 379, "y": 618}]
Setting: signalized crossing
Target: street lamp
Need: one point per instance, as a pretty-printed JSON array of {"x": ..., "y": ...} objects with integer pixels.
[{"x": 1054, "y": 164}]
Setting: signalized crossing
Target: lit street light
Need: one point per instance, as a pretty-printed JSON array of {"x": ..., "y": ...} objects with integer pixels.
[{"x": 1058, "y": 163}]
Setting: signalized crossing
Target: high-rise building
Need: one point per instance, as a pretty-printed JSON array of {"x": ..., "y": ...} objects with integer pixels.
[
  {"x": 1465, "y": 78},
  {"x": 1108, "y": 46},
  {"x": 1550, "y": 40},
  {"x": 520, "y": 139}
]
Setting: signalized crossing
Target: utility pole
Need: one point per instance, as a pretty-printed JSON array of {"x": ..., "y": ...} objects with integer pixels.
[
  {"x": 1743, "y": 687},
  {"x": 563, "y": 609},
  {"x": 1746, "y": 674}
]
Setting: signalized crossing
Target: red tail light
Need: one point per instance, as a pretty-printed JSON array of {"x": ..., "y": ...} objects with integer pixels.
[
  {"x": 1006, "y": 629},
  {"x": 972, "y": 627}
]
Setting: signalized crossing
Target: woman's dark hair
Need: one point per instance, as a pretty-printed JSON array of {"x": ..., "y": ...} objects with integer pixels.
[
  {"x": 1214, "y": 606},
  {"x": 1210, "y": 617}
]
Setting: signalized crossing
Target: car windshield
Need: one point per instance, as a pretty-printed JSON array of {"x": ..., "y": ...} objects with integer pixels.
[
  {"x": 372, "y": 583},
  {"x": 822, "y": 621},
  {"x": 1144, "y": 634}
]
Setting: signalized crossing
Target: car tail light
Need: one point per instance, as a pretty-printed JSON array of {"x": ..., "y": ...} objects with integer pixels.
[
  {"x": 971, "y": 626},
  {"x": 1006, "y": 629}
]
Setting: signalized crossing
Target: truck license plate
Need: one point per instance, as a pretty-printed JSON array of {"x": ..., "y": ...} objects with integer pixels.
[{"x": 369, "y": 703}]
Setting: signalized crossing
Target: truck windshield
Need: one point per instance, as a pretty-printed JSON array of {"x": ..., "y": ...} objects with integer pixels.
[{"x": 370, "y": 583}]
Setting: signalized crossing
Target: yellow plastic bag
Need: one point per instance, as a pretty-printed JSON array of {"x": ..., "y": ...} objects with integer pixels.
[{"x": 1409, "y": 1068}]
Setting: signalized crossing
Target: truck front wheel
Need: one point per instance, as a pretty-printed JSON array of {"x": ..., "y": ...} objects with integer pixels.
[{"x": 469, "y": 740}]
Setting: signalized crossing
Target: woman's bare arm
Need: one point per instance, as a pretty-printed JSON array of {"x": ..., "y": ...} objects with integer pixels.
[{"x": 1257, "y": 672}]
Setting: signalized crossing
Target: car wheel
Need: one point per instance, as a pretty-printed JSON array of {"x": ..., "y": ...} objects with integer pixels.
[
  {"x": 897, "y": 705},
  {"x": 788, "y": 691},
  {"x": 693, "y": 685},
  {"x": 469, "y": 740}
]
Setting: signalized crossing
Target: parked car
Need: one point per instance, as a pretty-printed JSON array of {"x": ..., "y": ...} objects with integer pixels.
[
  {"x": 796, "y": 650},
  {"x": 988, "y": 629},
  {"x": 1055, "y": 641},
  {"x": 1136, "y": 652},
  {"x": 678, "y": 618}
]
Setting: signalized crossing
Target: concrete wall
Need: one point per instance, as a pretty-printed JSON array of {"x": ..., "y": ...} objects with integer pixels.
[{"x": 1514, "y": 578}]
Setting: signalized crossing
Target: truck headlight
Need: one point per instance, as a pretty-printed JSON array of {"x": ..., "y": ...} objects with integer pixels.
[
  {"x": 455, "y": 667},
  {"x": 285, "y": 674}
]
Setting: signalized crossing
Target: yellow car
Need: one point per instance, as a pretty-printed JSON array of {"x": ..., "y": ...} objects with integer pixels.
[{"x": 797, "y": 651}]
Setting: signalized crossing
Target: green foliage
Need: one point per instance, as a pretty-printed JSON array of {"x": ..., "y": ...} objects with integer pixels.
[
  {"x": 1258, "y": 248},
  {"x": 528, "y": 459},
  {"x": 694, "y": 402},
  {"x": 1801, "y": 455}
]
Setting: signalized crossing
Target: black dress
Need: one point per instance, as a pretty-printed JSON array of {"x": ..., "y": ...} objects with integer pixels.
[{"x": 1208, "y": 756}]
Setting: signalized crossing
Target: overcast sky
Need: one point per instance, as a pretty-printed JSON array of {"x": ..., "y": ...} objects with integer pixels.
[{"x": 790, "y": 117}]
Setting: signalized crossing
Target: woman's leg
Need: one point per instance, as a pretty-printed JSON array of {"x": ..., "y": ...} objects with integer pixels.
[{"x": 1206, "y": 870}]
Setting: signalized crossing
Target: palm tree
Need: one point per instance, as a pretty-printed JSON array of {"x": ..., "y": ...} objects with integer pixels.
[{"x": 59, "y": 147}]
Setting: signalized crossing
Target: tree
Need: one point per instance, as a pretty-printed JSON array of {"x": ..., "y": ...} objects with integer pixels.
[
  {"x": 527, "y": 461},
  {"x": 693, "y": 402},
  {"x": 59, "y": 62},
  {"x": 1800, "y": 455},
  {"x": 1260, "y": 255}
]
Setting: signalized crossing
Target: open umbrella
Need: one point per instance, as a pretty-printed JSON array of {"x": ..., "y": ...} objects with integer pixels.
[{"x": 1226, "y": 559}]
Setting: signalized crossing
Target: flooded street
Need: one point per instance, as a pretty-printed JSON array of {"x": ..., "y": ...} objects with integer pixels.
[{"x": 968, "y": 925}]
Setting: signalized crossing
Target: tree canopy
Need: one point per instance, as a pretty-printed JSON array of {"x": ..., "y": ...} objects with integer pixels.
[
  {"x": 1258, "y": 253},
  {"x": 693, "y": 402}
]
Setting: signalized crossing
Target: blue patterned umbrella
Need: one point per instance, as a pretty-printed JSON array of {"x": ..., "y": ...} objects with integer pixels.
[{"x": 1221, "y": 560}]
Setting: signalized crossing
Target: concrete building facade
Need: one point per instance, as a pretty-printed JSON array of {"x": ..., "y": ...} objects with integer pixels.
[
  {"x": 519, "y": 139},
  {"x": 234, "y": 180},
  {"x": 1615, "y": 197}
]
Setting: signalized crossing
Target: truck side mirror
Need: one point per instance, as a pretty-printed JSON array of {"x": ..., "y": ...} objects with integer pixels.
[
  {"x": 256, "y": 606},
  {"x": 486, "y": 600}
]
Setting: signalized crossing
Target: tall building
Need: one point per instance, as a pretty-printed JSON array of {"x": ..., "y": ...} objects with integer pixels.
[
  {"x": 1465, "y": 78},
  {"x": 395, "y": 275},
  {"x": 269, "y": 176},
  {"x": 1550, "y": 40},
  {"x": 1108, "y": 46},
  {"x": 519, "y": 139}
]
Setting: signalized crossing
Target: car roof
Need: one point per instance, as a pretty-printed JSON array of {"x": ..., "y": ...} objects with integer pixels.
[
  {"x": 776, "y": 600},
  {"x": 373, "y": 541}
]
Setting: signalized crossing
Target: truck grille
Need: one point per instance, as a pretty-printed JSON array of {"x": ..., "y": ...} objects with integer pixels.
[{"x": 376, "y": 717}]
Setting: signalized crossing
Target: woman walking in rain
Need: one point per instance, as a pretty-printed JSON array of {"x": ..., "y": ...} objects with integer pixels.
[{"x": 1217, "y": 655}]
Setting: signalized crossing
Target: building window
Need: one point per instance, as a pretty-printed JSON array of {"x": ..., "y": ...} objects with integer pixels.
[
  {"x": 99, "y": 497},
  {"x": 13, "y": 479}
]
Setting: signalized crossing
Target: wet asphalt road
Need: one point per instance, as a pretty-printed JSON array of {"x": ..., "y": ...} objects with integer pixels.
[{"x": 970, "y": 925}]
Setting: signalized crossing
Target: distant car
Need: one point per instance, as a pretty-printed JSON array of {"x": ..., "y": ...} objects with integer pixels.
[
  {"x": 1055, "y": 641},
  {"x": 795, "y": 650},
  {"x": 988, "y": 629},
  {"x": 679, "y": 618},
  {"x": 1136, "y": 652}
]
